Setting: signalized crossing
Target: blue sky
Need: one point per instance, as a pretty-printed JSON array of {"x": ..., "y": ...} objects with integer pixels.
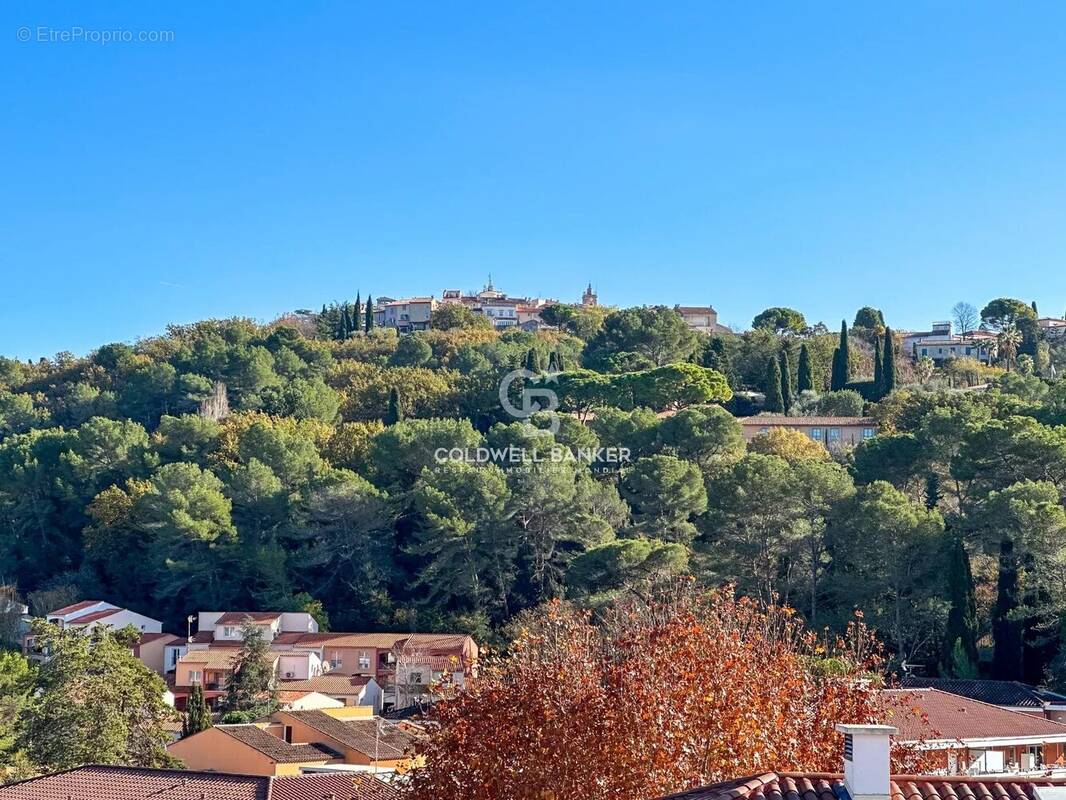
[{"x": 818, "y": 155}]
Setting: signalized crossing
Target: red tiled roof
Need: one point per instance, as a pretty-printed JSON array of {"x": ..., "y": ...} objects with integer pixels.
[
  {"x": 305, "y": 639},
  {"x": 277, "y": 749},
  {"x": 951, "y": 716},
  {"x": 349, "y": 786},
  {"x": 240, "y": 617},
  {"x": 328, "y": 684},
  {"x": 133, "y": 783},
  {"x": 93, "y": 616},
  {"x": 366, "y": 736},
  {"x": 62, "y": 612},
  {"x": 137, "y": 783},
  {"x": 824, "y": 786},
  {"x": 771, "y": 420},
  {"x": 151, "y": 637}
]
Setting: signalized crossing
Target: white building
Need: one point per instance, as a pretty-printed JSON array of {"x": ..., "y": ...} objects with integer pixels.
[{"x": 940, "y": 344}]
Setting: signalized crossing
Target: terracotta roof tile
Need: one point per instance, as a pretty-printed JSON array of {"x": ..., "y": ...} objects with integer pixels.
[
  {"x": 367, "y": 736},
  {"x": 136, "y": 783},
  {"x": 951, "y": 716},
  {"x": 277, "y": 749},
  {"x": 240, "y": 617},
  {"x": 771, "y": 420},
  {"x": 62, "y": 612},
  {"x": 93, "y": 616},
  {"x": 349, "y": 786},
  {"x": 132, "y": 783},
  {"x": 328, "y": 684},
  {"x": 823, "y": 786}
]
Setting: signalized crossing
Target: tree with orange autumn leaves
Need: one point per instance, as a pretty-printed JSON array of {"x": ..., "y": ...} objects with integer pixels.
[{"x": 691, "y": 689}]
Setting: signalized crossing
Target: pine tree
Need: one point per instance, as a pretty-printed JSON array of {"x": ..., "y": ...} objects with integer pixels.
[
  {"x": 804, "y": 379},
  {"x": 775, "y": 403},
  {"x": 369, "y": 324},
  {"x": 249, "y": 685},
  {"x": 888, "y": 371},
  {"x": 395, "y": 412},
  {"x": 786, "y": 380},
  {"x": 961, "y": 629},
  {"x": 879, "y": 378},
  {"x": 197, "y": 715},
  {"x": 841, "y": 361}
]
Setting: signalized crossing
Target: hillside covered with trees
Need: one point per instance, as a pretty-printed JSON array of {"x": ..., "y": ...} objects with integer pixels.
[{"x": 295, "y": 465}]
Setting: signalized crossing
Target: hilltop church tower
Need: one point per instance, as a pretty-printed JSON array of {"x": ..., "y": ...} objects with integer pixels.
[{"x": 589, "y": 299}]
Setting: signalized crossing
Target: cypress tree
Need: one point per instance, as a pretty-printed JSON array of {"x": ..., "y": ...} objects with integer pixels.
[
  {"x": 841, "y": 361},
  {"x": 786, "y": 380},
  {"x": 395, "y": 412},
  {"x": 888, "y": 370},
  {"x": 197, "y": 715},
  {"x": 553, "y": 361},
  {"x": 962, "y": 627},
  {"x": 368, "y": 326},
  {"x": 775, "y": 403},
  {"x": 357, "y": 311},
  {"x": 533, "y": 362},
  {"x": 804, "y": 380},
  {"x": 560, "y": 362},
  {"x": 1037, "y": 313},
  {"x": 879, "y": 380}
]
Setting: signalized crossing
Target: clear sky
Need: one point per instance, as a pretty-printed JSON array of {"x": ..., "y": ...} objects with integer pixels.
[{"x": 280, "y": 155}]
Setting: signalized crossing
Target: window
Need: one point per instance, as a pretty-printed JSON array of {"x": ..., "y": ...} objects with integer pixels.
[
  {"x": 867, "y": 433},
  {"x": 816, "y": 434},
  {"x": 288, "y": 734},
  {"x": 925, "y": 351},
  {"x": 415, "y": 677},
  {"x": 227, "y": 632},
  {"x": 834, "y": 434},
  {"x": 364, "y": 660},
  {"x": 969, "y": 350},
  {"x": 195, "y": 677}
]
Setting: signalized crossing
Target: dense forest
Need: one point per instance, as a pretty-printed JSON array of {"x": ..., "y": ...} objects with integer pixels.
[{"x": 295, "y": 465}]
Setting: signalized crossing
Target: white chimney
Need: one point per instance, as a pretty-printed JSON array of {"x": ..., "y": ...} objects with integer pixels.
[{"x": 867, "y": 763}]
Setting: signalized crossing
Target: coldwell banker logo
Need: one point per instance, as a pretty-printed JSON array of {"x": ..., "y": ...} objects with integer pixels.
[{"x": 531, "y": 397}]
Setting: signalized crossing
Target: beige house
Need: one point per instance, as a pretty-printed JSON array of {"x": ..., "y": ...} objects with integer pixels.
[
  {"x": 940, "y": 344},
  {"x": 410, "y": 314},
  {"x": 829, "y": 431},
  {"x": 701, "y": 318}
]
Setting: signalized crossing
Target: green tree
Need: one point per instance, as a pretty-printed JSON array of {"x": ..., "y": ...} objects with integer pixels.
[
  {"x": 665, "y": 494},
  {"x": 197, "y": 715},
  {"x": 888, "y": 369},
  {"x": 395, "y": 412},
  {"x": 93, "y": 702},
  {"x": 775, "y": 402},
  {"x": 780, "y": 320},
  {"x": 959, "y": 653},
  {"x": 625, "y": 566},
  {"x": 368, "y": 324},
  {"x": 869, "y": 317},
  {"x": 804, "y": 378},
  {"x": 464, "y": 544},
  {"x": 841, "y": 373},
  {"x": 786, "y": 380},
  {"x": 533, "y": 361},
  {"x": 707, "y": 435},
  {"x": 640, "y": 338},
  {"x": 879, "y": 367},
  {"x": 250, "y": 684},
  {"x": 411, "y": 351},
  {"x": 455, "y": 316},
  {"x": 16, "y": 682}
]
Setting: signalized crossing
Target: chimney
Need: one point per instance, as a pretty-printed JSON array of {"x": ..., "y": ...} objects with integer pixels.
[{"x": 867, "y": 765}]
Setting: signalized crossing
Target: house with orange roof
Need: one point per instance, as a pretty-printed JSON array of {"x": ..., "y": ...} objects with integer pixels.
[
  {"x": 294, "y": 740},
  {"x": 347, "y": 690},
  {"x": 973, "y": 737}
]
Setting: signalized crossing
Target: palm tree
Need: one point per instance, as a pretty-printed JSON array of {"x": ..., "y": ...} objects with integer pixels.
[{"x": 1010, "y": 339}]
